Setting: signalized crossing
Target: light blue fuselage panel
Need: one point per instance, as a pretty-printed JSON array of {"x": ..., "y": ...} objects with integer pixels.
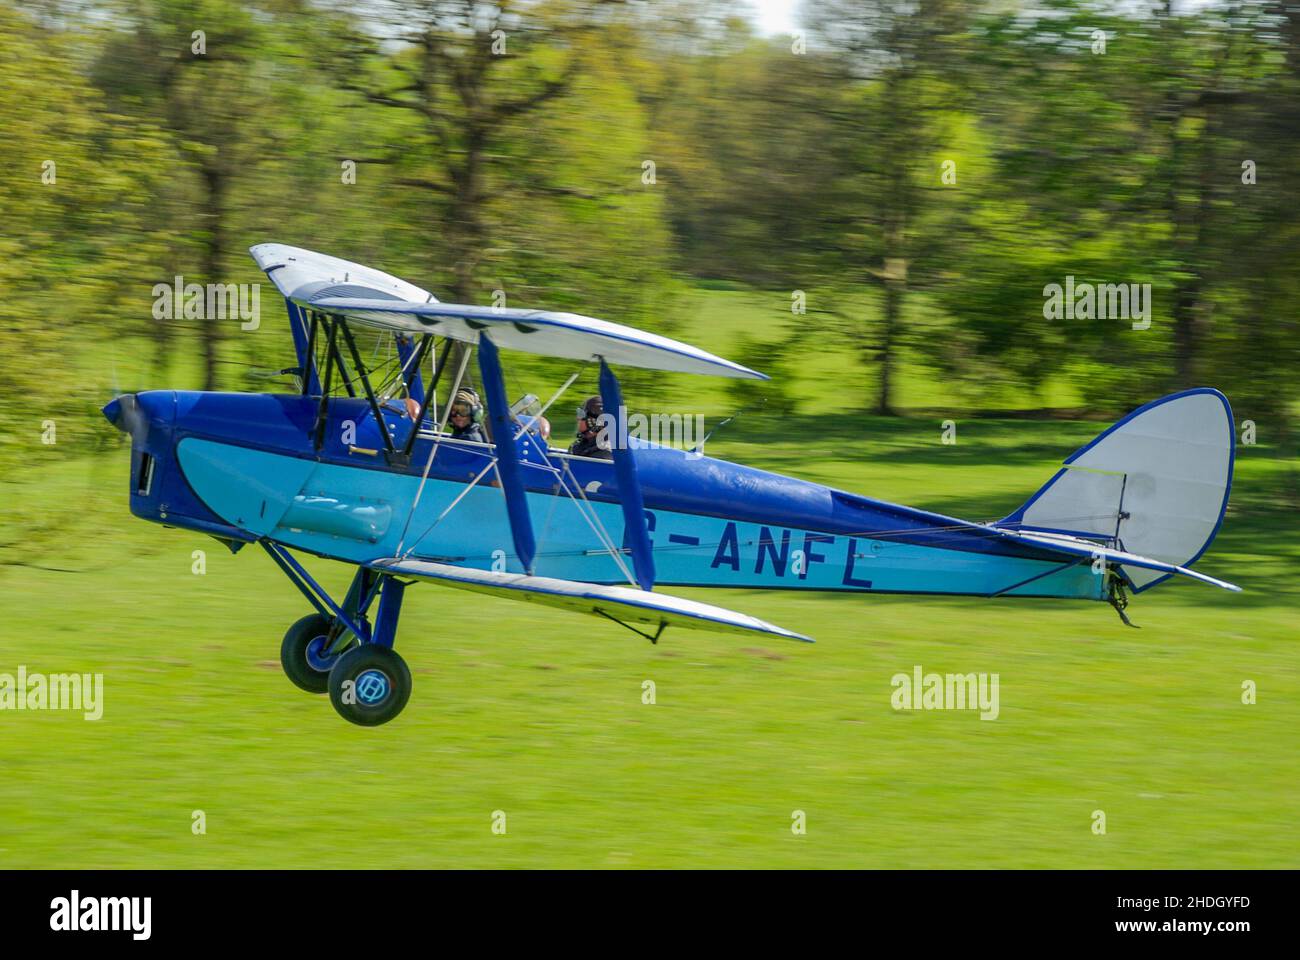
[{"x": 360, "y": 514}]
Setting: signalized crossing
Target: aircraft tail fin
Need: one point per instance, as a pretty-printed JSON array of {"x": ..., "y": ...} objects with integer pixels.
[{"x": 1154, "y": 484}]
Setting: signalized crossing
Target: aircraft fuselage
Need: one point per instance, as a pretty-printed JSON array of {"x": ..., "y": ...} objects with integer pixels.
[{"x": 243, "y": 467}]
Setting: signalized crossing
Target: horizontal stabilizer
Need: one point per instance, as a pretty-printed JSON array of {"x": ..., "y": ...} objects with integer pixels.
[
  {"x": 1078, "y": 547},
  {"x": 624, "y": 604}
]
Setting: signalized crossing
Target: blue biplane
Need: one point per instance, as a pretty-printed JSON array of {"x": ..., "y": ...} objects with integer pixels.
[{"x": 357, "y": 466}]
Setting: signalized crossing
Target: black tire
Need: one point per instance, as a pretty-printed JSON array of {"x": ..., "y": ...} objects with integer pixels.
[
  {"x": 369, "y": 685},
  {"x": 302, "y": 653}
]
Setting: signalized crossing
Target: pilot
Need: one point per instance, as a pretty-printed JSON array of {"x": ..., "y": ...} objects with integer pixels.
[
  {"x": 466, "y": 417},
  {"x": 590, "y": 443}
]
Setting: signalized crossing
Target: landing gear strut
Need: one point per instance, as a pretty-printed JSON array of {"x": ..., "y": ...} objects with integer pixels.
[
  {"x": 336, "y": 650},
  {"x": 370, "y": 684}
]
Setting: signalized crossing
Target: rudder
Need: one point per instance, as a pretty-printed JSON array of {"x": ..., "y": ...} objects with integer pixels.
[{"x": 1156, "y": 483}]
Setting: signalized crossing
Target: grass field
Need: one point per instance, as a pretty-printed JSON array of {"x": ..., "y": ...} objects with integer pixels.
[{"x": 539, "y": 714}]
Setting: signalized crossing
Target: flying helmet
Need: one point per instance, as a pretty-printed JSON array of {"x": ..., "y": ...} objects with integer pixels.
[{"x": 466, "y": 397}]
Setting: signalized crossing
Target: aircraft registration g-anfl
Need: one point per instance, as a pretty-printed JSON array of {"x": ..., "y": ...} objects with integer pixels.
[{"x": 358, "y": 465}]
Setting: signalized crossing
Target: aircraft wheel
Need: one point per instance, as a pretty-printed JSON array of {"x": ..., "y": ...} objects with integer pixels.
[
  {"x": 369, "y": 685},
  {"x": 302, "y": 653}
]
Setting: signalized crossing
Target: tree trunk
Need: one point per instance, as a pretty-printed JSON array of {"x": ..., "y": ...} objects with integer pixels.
[
  {"x": 466, "y": 236},
  {"x": 214, "y": 205},
  {"x": 1192, "y": 231},
  {"x": 897, "y": 207},
  {"x": 895, "y": 288},
  {"x": 1191, "y": 162},
  {"x": 467, "y": 229},
  {"x": 1187, "y": 299}
]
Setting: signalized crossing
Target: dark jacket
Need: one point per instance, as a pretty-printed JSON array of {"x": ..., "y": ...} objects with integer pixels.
[
  {"x": 473, "y": 432},
  {"x": 588, "y": 447}
]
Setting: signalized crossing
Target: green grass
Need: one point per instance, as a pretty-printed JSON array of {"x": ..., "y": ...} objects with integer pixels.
[{"x": 540, "y": 715}]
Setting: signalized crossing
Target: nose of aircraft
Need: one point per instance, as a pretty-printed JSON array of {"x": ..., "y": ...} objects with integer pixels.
[
  {"x": 132, "y": 412},
  {"x": 113, "y": 411}
]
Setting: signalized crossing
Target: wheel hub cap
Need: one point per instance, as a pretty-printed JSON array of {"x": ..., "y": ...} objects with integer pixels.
[{"x": 372, "y": 687}]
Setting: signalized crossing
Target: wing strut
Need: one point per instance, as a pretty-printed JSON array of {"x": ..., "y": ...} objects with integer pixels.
[
  {"x": 503, "y": 437},
  {"x": 303, "y": 345},
  {"x": 407, "y": 350},
  {"x": 652, "y": 637},
  {"x": 636, "y": 536}
]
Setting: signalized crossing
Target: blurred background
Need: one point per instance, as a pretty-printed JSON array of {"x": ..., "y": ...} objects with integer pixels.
[
  {"x": 921, "y": 171},
  {"x": 867, "y": 201}
]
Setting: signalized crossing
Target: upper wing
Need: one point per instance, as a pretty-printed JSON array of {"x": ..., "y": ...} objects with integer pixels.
[
  {"x": 543, "y": 332},
  {"x": 374, "y": 299},
  {"x": 619, "y": 603},
  {"x": 299, "y": 274}
]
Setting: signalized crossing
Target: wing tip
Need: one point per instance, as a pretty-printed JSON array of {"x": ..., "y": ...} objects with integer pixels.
[{"x": 782, "y": 633}]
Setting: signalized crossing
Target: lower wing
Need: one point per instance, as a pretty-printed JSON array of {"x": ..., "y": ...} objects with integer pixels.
[{"x": 621, "y": 604}]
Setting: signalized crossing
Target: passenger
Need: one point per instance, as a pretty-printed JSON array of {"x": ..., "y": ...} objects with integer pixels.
[{"x": 590, "y": 443}]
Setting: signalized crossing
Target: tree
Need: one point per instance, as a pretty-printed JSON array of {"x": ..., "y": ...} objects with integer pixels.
[
  {"x": 900, "y": 65},
  {"x": 76, "y": 203},
  {"x": 199, "y": 68},
  {"x": 1115, "y": 142},
  {"x": 468, "y": 71}
]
